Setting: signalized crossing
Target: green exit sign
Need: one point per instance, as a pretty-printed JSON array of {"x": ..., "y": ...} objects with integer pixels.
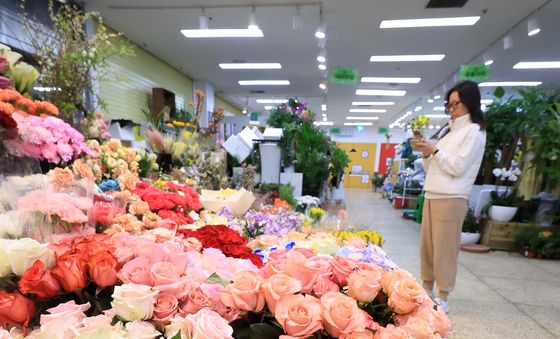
[
  {"x": 344, "y": 75},
  {"x": 335, "y": 131},
  {"x": 383, "y": 130},
  {"x": 474, "y": 72}
]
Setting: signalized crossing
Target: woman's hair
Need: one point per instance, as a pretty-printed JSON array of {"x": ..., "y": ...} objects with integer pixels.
[{"x": 470, "y": 97}]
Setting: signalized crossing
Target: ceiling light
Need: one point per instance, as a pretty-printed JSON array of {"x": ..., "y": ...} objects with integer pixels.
[
  {"x": 323, "y": 107},
  {"x": 438, "y": 126},
  {"x": 253, "y": 20},
  {"x": 396, "y": 58},
  {"x": 272, "y": 101},
  {"x": 264, "y": 82},
  {"x": 373, "y": 103},
  {"x": 486, "y": 101},
  {"x": 251, "y": 65},
  {"x": 431, "y": 127},
  {"x": 297, "y": 21},
  {"x": 508, "y": 42},
  {"x": 430, "y": 101},
  {"x": 381, "y": 92},
  {"x": 362, "y": 118},
  {"x": 222, "y": 33},
  {"x": 322, "y": 67},
  {"x": 392, "y": 80},
  {"x": 323, "y": 86},
  {"x": 431, "y": 22},
  {"x": 244, "y": 111},
  {"x": 324, "y": 114},
  {"x": 367, "y": 110},
  {"x": 488, "y": 62},
  {"x": 323, "y": 123},
  {"x": 417, "y": 108},
  {"x": 324, "y": 118},
  {"x": 358, "y": 124},
  {"x": 322, "y": 57},
  {"x": 320, "y": 32},
  {"x": 533, "y": 27},
  {"x": 437, "y": 116},
  {"x": 439, "y": 108},
  {"x": 537, "y": 65},
  {"x": 203, "y": 21},
  {"x": 509, "y": 83},
  {"x": 268, "y": 107},
  {"x": 437, "y": 97}
]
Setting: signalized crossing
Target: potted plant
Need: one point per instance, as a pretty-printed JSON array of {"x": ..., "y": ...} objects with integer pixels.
[
  {"x": 503, "y": 205},
  {"x": 470, "y": 233},
  {"x": 417, "y": 125},
  {"x": 312, "y": 158},
  {"x": 339, "y": 161},
  {"x": 378, "y": 180}
]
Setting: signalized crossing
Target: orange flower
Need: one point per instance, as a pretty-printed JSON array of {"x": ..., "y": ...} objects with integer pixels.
[
  {"x": 45, "y": 107},
  {"x": 6, "y": 107},
  {"x": 279, "y": 203},
  {"x": 9, "y": 95},
  {"x": 26, "y": 105}
]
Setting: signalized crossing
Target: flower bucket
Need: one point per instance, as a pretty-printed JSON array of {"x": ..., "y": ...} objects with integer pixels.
[
  {"x": 164, "y": 161},
  {"x": 469, "y": 238},
  {"x": 502, "y": 213}
]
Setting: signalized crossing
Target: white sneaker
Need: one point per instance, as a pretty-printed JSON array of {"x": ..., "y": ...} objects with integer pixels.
[
  {"x": 431, "y": 294},
  {"x": 443, "y": 304}
]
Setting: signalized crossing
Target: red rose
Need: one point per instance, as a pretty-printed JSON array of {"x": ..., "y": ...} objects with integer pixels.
[
  {"x": 39, "y": 282},
  {"x": 70, "y": 270},
  {"x": 15, "y": 309},
  {"x": 102, "y": 269}
]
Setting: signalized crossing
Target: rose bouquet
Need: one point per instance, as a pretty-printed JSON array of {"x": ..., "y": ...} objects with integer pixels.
[{"x": 95, "y": 127}]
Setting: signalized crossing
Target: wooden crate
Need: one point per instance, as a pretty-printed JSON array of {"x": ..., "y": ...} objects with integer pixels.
[{"x": 500, "y": 235}]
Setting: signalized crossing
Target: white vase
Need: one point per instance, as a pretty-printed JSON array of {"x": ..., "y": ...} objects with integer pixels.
[
  {"x": 469, "y": 238},
  {"x": 502, "y": 213}
]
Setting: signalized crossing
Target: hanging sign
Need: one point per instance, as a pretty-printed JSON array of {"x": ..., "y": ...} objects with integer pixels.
[
  {"x": 474, "y": 72},
  {"x": 334, "y": 131},
  {"x": 383, "y": 130},
  {"x": 344, "y": 75},
  {"x": 254, "y": 116}
]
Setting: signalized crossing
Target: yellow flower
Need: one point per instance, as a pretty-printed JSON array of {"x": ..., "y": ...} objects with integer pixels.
[
  {"x": 179, "y": 123},
  {"x": 545, "y": 234},
  {"x": 170, "y": 125}
]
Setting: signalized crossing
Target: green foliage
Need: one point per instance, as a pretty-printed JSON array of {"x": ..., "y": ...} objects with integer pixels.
[
  {"x": 471, "y": 224},
  {"x": 286, "y": 192},
  {"x": 339, "y": 161},
  {"x": 144, "y": 166},
  {"x": 378, "y": 180},
  {"x": 216, "y": 279},
  {"x": 539, "y": 240},
  {"x": 311, "y": 148},
  {"x": 420, "y": 122},
  {"x": 156, "y": 119}
]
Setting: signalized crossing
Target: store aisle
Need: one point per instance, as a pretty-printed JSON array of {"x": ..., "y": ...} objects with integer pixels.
[{"x": 498, "y": 295}]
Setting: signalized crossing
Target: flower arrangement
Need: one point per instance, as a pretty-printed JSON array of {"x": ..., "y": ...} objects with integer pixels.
[
  {"x": 96, "y": 127},
  {"x": 114, "y": 160},
  {"x": 508, "y": 197},
  {"x": 15, "y": 73},
  {"x": 316, "y": 214},
  {"x": 369, "y": 237}
]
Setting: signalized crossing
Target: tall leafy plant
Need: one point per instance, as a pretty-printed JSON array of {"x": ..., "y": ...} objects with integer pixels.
[
  {"x": 545, "y": 147},
  {"x": 339, "y": 161},
  {"x": 312, "y": 158}
]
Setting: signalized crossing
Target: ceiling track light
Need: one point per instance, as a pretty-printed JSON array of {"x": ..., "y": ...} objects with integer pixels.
[
  {"x": 322, "y": 57},
  {"x": 203, "y": 20},
  {"x": 297, "y": 21},
  {"x": 508, "y": 42},
  {"x": 323, "y": 86},
  {"x": 322, "y": 67},
  {"x": 253, "y": 20},
  {"x": 320, "y": 33},
  {"x": 533, "y": 27}
]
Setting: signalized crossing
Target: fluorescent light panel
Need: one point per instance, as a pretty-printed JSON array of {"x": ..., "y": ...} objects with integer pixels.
[
  {"x": 222, "y": 33},
  {"x": 373, "y": 103},
  {"x": 268, "y": 107},
  {"x": 395, "y": 80},
  {"x": 509, "y": 83},
  {"x": 367, "y": 110},
  {"x": 486, "y": 101},
  {"x": 358, "y": 124},
  {"x": 439, "y": 108},
  {"x": 411, "y": 57},
  {"x": 323, "y": 123},
  {"x": 381, "y": 92},
  {"x": 362, "y": 118},
  {"x": 437, "y": 116},
  {"x": 537, "y": 65},
  {"x": 272, "y": 101},
  {"x": 251, "y": 65},
  {"x": 264, "y": 82},
  {"x": 437, "y": 97},
  {"x": 430, "y": 22},
  {"x": 488, "y": 62}
]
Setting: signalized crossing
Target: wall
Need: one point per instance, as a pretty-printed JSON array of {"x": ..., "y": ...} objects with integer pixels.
[
  {"x": 219, "y": 102},
  {"x": 365, "y": 157}
]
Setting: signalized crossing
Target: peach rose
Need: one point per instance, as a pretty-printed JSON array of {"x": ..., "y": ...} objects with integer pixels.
[
  {"x": 82, "y": 170},
  {"x": 194, "y": 302},
  {"x": 365, "y": 334},
  {"x": 150, "y": 219},
  {"x": 61, "y": 177},
  {"x": 164, "y": 273},
  {"x": 102, "y": 269},
  {"x": 299, "y": 315},
  {"x": 165, "y": 307},
  {"x": 341, "y": 268},
  {"x": 192, "y": 244},
  {"x": 390, "y": 332},
  {"x": 138, "y": 208},
  {"x": 323, "y": 285},
  {"x": 364, "y": 285},
  {"x": 274, "y": 267},
  {"x": 341, "y": 314},
  {"x": 277, "y": 286},
  {"x": 127, "y": 181},
  {"x": 142, "y": 330},
  {"x": 322, "y": 264},
  {"x": 136, "y": 271},
  {"x": 406, "y": 296},
  {"x": 207, "y": 324},
  {"x": 391, "y": 277},
  {"x": 245, "y": 293},
  {"x": 179, "y": 288},
  {"x": 418, "y": 328},
  {"x": 298, "y": 266},
  {"x": 437, "y": 318}
]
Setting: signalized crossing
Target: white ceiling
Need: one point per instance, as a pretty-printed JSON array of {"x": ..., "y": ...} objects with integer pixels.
[{"x": 353, "y": 35}]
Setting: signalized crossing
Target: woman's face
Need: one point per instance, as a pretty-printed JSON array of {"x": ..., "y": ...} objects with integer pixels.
[{"x": 455, "y": 107}]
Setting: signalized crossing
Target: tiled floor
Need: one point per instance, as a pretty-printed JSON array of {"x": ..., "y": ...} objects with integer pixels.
[{"x": 498, "y": 294}]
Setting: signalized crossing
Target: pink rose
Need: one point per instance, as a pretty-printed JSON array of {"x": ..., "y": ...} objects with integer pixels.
[
  {"x": 163, "y": 273},
  {"x": 390, "y": 332},
  {"x": 165, "y": 307},
  {"x": 437, "y": 318},
  {"x": 141, "y": 330},
  {"x": 365, "y": 334},
  {"x": 364, "y": 285},
  {"x": 212, "y": 291},
  {"x": 207, "y": 324},
  {"x": 406, "y": 296},
  {"x": 392, "y": 277},
  {"x": 297, "y": 266},
  {"x": 155, "y": 252},
  {"x": 341, "y": 314},
  {"x": 299, "y": 315},
  {"x": 65, "y": 310},
  {"x": 322, "y": 264},
  {"x": 194, "y": 302},
  {"x": 307, "y": 253},
  {"x": 123, "y": 254},
  {"x": 192, "y": 244},
  {"x": 136, "y": 271},
  {"x": 341, "y": 268},
  {"x": 274, "y": 267},
  {"x": 278, "y": 255},
  {"x": 323, "y": 285},
  {"x": 418, "y": 327},
  {"x": 245, "y": 293},
  {"x": 277, "y": 286},
  {"x": 179, "y": 288}
]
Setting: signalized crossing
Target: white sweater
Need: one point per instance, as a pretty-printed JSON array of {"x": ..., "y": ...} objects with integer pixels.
[{"x": 452, "y": 171}]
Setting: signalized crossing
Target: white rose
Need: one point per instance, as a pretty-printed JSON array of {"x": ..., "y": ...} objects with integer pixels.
[
  {"x": 177, "y": 324},
  {"x": 105, "y": 334},
  {"x": 134, "y": 302},
  {"x": 5, "y": 268},
  {"x": 22, "y": 254},
  {"x": 206, "y": 324},
  {"x": 141, "y": 330},
  {"x": 111, "y": 163}
]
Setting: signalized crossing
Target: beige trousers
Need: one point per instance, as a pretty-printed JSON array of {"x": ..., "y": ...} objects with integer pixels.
[{"x": 440, "y": 238}]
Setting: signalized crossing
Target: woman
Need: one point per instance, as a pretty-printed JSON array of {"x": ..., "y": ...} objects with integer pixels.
[{"x": 451, "y": 168}]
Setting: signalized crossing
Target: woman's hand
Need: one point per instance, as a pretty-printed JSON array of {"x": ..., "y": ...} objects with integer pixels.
[{"x": 426, "y": 147}]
